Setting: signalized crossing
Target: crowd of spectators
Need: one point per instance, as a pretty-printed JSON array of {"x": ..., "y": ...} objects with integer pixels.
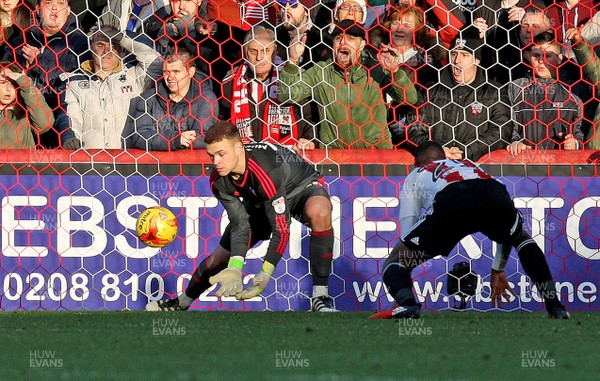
[{"x": 476, "y": 76}]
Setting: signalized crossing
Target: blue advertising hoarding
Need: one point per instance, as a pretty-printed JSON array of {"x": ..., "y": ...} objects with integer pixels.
[{"x": 68, "y": 242}]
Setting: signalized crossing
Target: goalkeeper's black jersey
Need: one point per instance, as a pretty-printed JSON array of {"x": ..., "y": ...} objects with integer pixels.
[{"x": 273, "y": 175}]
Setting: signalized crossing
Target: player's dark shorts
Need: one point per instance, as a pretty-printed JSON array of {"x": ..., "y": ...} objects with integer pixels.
[
  {"x": 259, "y": 223},
  {"x": 464, "y": 208}
]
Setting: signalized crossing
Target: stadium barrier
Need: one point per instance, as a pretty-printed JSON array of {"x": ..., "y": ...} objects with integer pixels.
[{"x": 69, "y": 243}]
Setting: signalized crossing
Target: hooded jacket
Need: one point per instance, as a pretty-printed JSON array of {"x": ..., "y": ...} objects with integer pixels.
[
  {"x": 97, "y": 107},
  {"x": 475, "y": 117},
  {"x": 15, "y": 130},
  {"x": 156, "y": 122},
  {"x": 351, "y": 104}
]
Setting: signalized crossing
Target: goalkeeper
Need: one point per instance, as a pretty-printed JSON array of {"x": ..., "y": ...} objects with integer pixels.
[
  {"x": 261, "y": 186},
  {"x": 451, "y": 190}
]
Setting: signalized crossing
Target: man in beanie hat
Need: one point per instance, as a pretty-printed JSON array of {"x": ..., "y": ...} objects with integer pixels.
[
  {"x": 352, "y": 108},
  {"x": 466, "y": 113}
]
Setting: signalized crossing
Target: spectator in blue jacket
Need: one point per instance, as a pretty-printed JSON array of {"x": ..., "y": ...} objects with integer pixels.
[
  {"x": 53, "y": 47},
  {"x": 177, "y": 112}
]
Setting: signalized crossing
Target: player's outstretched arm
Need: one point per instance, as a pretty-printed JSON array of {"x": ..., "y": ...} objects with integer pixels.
[
  {"x": 259, "y": 283},
  {"x": 230, "y": 279},
  {"x": 500, "y": 288},
  {"x": 498, "y": 283}
]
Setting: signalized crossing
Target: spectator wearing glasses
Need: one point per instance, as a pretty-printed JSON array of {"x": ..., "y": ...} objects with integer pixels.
[
  {"x": 354, "y": 10},
  {"x": 405, "y": 38},
  {"x": 296, "y": 25},
  {"x": 253, "y": 88}
]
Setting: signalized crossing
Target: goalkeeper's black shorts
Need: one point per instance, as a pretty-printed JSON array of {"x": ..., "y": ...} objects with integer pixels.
[{"x": 260, "y": 226}]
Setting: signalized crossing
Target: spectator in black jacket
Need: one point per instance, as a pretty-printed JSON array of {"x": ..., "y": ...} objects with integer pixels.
[
  {"x": 54, "y": 47},
  {"x": 296, "y": 25},
  {"x": 177, "y": 113},
  {"x": 15, "y": 18},
  {"x": 467, "y": 114},
  {"x": 182, "y": 24},
  {"x": 546, "y": 112}
]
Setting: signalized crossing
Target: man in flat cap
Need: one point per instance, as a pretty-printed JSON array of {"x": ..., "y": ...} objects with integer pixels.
[
  {"x": 466, "y": 113},
  {"x": 352, "y": 108}
]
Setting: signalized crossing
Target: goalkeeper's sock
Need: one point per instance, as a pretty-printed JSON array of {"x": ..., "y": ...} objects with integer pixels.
[
  {"x": 321, "y": 256},
  {"x": 399, "y": 284},
  {"x": 185, "y": 301},
  {"x": 536, "y": 267},
  {"x": 200, "y": 279},
  {"x": 320, "y": 291}
]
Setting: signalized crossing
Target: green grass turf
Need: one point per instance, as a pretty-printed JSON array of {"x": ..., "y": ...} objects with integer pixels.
[{"x": 344, "y": 346}]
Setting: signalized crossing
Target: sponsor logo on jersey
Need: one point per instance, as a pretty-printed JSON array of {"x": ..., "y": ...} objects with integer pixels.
[
  {"x": 415, "y": 240},
  {"x": 84, "y": 85},
  {"x": 279, "y": 205}
]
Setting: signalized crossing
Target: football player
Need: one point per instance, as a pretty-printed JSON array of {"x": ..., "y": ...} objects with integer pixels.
[
  {"x": 459, "y": 199},
  {"x": 261, "y": 186}
]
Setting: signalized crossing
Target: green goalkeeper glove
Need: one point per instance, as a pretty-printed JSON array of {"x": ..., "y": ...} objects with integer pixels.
[
  {"x": 259, "y": 283},
  {"x": 230, "y": 279}
]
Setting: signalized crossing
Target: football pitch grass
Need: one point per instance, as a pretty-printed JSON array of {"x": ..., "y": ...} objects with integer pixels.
[{"x": 138, "y": 345}]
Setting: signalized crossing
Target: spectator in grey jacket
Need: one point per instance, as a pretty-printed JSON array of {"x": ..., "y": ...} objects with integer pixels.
[{"x": 176, "y": 114}]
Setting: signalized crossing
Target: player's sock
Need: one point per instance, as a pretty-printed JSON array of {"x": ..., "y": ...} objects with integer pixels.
[
  {"x": 321, "y": 256},
  {"x": 535, "y": 266},
  {"x": 199, "y": 282},
  {"x": 399, "y": 284},
  {"x": 185, "y": 301}
]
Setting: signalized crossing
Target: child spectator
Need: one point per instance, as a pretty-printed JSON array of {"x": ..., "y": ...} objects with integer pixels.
[{"x": 23, "y": 111}]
